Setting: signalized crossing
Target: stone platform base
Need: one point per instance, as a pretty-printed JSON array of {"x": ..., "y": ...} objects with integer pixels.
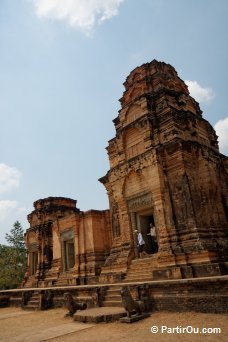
[
  {"x": 101, "y": 314},
  {"x": 207, "y": 294},
  {"x": 134, "y": 318}
]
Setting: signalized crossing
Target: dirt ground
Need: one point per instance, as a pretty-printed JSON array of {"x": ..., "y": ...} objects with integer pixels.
[{"x": 18, "y": 325}]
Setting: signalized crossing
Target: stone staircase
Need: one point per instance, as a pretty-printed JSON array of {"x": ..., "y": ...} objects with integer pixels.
[
  {"x": 31, "y": 282},
  {"x": 34, "y": 302},
  {"x": 65, "y": 279},
  {"x": 141, "y": 269},
  {"x": 113, "y": 297},
  {"x": 62, "y": 280}
]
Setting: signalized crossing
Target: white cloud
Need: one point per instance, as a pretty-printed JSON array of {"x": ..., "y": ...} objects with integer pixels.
[
  {"x": 6, "y": 207},
  {"x": 221, "y": 128},
  {"x": 9, "y": 178},
  {"x": 22, "y": 210},
  {"x": 199, "y": 93},
  {"x": 82, "y": 14}
]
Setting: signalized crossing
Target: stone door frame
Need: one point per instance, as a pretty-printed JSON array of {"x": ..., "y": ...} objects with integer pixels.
[
  {"x": 143, "y": 202},
  {"x": 33, "y": 258},
  {"x": 66, "y": 237}
]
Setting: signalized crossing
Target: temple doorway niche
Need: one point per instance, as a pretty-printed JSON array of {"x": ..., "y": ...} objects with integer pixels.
[
  {"x": 33, "y": 262},
  {"x": 68, "y": 250},
  {"x": 146, "y": 225},
  {"x": 141, "y": 211},
  {"x": 69, "y": 255}
]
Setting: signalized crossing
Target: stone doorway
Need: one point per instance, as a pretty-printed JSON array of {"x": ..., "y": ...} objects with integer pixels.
[
  {"x": 144, "y": 224},
  {"x": 34, "y": 262},
  {"x": 142, "y": 216},
  {"x": 69, "y": 254}
]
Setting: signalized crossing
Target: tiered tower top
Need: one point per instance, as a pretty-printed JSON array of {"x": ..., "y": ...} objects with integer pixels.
[{"x": 151, "y": 78}]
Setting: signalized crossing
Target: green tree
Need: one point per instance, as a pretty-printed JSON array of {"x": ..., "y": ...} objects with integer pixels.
[
  {"x": 6, "y": 271},
  {"x": 16, "y": 238},
  {"x": 13, "y": 258}
]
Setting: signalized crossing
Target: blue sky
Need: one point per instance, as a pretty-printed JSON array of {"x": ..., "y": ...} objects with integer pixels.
[{"x": 62, "y": 65}]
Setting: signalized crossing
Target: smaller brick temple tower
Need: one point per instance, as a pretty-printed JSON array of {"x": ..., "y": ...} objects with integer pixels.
[
  {"x": 166, "y": 171},
  {"x": 66, "y": 246}
]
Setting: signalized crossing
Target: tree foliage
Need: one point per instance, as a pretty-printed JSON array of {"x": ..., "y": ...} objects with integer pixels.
[{"x": 13, "y": 258}]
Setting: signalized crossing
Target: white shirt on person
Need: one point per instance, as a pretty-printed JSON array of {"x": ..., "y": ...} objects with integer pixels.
[
  {"x": 140, "y": 239},
  {"x": 153, "y": 231}
]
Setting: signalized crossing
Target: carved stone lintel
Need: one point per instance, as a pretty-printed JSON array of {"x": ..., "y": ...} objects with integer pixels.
[{"x": 140, "y": 202}]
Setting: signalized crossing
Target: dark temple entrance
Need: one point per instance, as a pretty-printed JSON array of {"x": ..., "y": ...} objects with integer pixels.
[
  {"x": 69, "y": 254},
  {"x": 143, "y": 221},
  {"x": 33, "y": 262},
  {"x": 68, "y": 249},
  {"x": 146, "y": 225}
]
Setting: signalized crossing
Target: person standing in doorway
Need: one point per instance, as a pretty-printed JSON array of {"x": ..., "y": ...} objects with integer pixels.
[
  {"x": 153, "y": 236},
  {"x": 141, "y": 243}
]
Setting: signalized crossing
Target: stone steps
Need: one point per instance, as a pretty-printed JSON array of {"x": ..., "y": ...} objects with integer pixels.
[
  {"x": 64, "y": 279},
  {"x": 34, "y": 302},
  {"x": 109, "y": 303},
  {"x": 152, "y": 260},
  {"x": 29, "y": 283},
  {"x": 114, "y": 290},
  {"x": 141, "y": 269},
  {"x": 139, "y": 272},
  {"x": 113, "y": 297},
  {"x": 61, "y": 283},
  {"x": 136, "y": 279}
]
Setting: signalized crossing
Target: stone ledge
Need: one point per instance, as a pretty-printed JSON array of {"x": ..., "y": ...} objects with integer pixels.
[
  {"x": 152, "y": 282},
  {"x": 98, "y": 315}
]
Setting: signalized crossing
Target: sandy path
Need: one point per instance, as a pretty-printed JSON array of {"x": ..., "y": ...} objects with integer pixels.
[{"x": 39, "y": 326}]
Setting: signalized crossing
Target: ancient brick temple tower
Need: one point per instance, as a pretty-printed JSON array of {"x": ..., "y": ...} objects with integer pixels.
[{"x": 166, "y": 170}]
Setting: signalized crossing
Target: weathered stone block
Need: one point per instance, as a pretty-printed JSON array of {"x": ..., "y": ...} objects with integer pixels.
[
  {"x": 186, "y": 271},
  {"x": 169, "y": 273},
  {"x": 207, "y": 270}
]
